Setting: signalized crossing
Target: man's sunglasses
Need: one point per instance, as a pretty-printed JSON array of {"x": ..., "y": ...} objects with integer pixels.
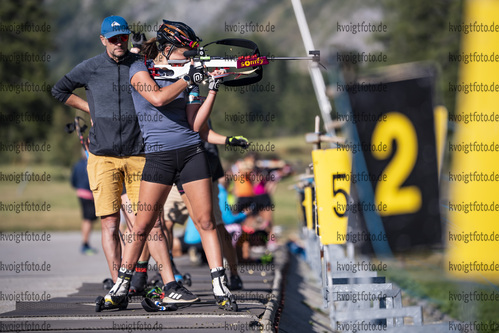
[{"x": 118, "y": 39}]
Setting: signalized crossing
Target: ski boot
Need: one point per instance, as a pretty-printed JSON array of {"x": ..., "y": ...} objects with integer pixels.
[
  {"x": 235, "y": 283},
  {"x": 224, "y": 299},
  {"x": 117, "y": 298},
  {"x": 138, "y": 284}
]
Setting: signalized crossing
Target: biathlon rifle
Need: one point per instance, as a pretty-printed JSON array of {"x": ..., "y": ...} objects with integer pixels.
[
  {"x": 239, "y": 71},
  {"x": 80, "y": 127}
]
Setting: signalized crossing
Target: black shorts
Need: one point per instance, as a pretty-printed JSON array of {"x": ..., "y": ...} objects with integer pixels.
[
  {"x": 177, "y": 182},
  {"x": 189, "y": 163},
  {"x": 88, "y": 209},
  {"x": 243, "y": 202},
  {"x": 263, "y": 201}
]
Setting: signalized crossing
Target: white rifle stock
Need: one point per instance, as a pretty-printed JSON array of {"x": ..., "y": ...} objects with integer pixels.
[{"x": 244, "y": 69}]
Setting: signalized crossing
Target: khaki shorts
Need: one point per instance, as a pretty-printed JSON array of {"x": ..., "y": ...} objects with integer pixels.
[
  {"x": 107, "y": 174},
  {"x": 176, "y": 211}
]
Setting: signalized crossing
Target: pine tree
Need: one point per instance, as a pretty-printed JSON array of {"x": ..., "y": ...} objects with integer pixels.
[{"x": 25, "y": 100}]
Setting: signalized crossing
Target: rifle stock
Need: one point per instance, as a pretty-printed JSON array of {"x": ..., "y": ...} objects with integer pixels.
[{"x": 245, "y": 70}]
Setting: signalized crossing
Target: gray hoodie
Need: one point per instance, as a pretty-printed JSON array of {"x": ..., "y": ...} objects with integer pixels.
[{"x": 115, "y": 130}]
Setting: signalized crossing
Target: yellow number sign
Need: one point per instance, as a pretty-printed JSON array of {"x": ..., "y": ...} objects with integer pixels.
[
  {"x": 473, "y": 205},
  {"x": 308, "y": 204},
  {"x": 332, "y": 173}
]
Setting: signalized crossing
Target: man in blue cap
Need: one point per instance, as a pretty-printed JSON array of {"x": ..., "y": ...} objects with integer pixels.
[
  {"x": 114, "y": 36},
  {"x": 116, "y": 149}
]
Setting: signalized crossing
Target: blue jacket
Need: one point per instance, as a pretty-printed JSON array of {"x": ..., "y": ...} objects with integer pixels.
[
  {"x": 227, "y": 215},
  {"x": 79, "y": 176}
]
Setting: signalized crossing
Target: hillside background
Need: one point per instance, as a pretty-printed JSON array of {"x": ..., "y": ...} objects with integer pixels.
[
  {"x": 416, "y": 31},
  {"x": 288, "y": 94}
]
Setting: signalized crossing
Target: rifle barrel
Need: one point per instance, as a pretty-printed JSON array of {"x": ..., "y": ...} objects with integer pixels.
[{"x": 290, "y": 58}]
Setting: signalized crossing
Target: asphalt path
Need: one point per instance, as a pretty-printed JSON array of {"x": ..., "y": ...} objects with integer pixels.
[{"x": 46, "y": 284}]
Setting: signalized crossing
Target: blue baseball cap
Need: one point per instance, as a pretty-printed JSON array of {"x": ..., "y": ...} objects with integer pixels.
[{"x": 114, "y": 25}]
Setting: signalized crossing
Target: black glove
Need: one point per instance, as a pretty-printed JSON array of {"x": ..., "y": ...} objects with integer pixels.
[
  {"x": 138, "y": 38},
  {"x": 196, "y": 75},
  {"x": 214, "y": 83},
  {"x": 239, "y": 141}
]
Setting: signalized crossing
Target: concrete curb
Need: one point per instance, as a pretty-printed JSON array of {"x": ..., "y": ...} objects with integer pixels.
[{"x": 268, "y": 318}]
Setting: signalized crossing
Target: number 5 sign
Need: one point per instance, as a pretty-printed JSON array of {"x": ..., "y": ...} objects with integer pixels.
[{"x": 332, "y": 171}]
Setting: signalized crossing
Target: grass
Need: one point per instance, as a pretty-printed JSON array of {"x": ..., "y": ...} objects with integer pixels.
[
  {"x": 64, "y": 211},
  {"x": 286, "y": 203},
  {"x": 423, "y": 276}
]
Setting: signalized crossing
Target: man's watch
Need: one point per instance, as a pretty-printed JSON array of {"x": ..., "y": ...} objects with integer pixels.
[{"x": 187, "y": 79}]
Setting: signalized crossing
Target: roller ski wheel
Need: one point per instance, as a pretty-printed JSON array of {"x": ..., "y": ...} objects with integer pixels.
[
  {"x": 184, "y": 280},
  {"x": 107, "y": 284},
  {"x": 227, "y": 303},
  {"x": 101, "y": 304},
  {"x": 156, "y": 281},
  {"x": 181, "y": 279},
  {"x": 187, "y": 279}
]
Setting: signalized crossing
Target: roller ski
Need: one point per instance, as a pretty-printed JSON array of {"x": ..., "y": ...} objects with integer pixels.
[
  {"x": 151, "y": 305},
  {"x": 156, "y": 281},
  {"x": 223, "y": 297},
  {"x": 117, "y": 298},
  {"x": 182, "y": 279},
  {"x": 101, "y": 303},
  {"x": 172, "y": 297},
  {"x": 107, "y": 284}
]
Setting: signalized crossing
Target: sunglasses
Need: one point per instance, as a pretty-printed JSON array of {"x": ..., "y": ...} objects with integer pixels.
[{"x": 118, "y": 39}]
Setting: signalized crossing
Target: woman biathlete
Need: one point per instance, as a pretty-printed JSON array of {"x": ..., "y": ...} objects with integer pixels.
[{"x": 170, "y": 114}]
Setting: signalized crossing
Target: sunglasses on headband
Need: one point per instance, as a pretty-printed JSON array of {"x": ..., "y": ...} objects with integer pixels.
[{"x": 118, "y": 39}]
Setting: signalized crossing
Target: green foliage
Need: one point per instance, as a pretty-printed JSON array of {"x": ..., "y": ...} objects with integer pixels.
[
  {"x": 285, "y": 94},
  {"x": 25, "y": 95},
  {"x": 429, "y": 282},
  {"x": 66, "y": 146},
  {"x": 419, "y": 31}
]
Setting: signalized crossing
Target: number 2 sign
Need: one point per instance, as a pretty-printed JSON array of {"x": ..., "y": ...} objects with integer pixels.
[{"x": 395, "y": 128}]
